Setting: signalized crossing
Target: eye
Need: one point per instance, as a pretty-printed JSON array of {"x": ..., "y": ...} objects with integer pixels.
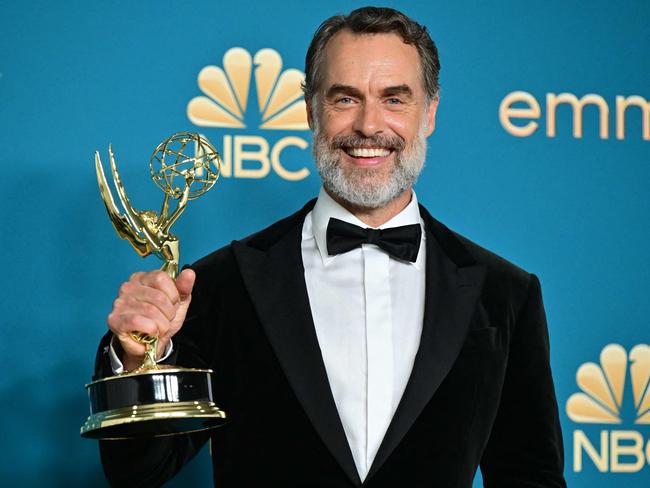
[
  {"x": 394, "y": 101},
  {"x": 345, "y": 100}
]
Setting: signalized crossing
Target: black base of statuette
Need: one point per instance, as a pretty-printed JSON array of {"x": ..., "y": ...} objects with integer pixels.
[{"x": 152, "y": 403}]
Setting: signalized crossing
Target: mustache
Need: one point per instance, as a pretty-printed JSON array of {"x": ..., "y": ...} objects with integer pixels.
[{"x": 354, "y": 141}]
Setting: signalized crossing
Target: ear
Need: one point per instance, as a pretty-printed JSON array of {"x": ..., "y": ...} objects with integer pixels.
[{"x": 431, "y": 115}]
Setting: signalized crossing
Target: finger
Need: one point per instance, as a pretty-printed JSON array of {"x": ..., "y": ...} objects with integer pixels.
[
  {"x": 136, "y": 276},
  {"x": 147, "y": 310},
  {"x": 155, "y": 298},
  {"x": 185, "y": 283},
  {"x": 130, "y": 292},
  {"x": 161, "y": 281},
  {"x": 131, "y": 347},
  {"x": 123, "y": 324}
]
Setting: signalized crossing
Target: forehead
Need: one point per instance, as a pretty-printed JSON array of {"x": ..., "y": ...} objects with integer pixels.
[{"x": 371, "y": 59}]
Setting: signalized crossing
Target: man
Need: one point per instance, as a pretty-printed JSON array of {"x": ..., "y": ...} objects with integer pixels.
[{"x": 344, "y": 356}]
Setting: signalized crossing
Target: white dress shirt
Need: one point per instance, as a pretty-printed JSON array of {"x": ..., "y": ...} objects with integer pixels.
[{"x": 368, "y": 309}]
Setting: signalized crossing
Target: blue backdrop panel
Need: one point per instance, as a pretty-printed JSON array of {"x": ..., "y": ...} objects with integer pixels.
[{"x": 573, "y": 208}]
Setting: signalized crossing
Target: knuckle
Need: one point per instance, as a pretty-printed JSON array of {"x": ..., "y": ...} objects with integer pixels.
[
  {"x": 159, "y": 299},
  {"x": 129, "y": 322},
  {"x": 117, "y": 322},
  {"x": 149, "y": 310},
  {"x": 111, "y": 320},
  {"x": 160, "y": 278},
  {"x": 142, "y": 324}
]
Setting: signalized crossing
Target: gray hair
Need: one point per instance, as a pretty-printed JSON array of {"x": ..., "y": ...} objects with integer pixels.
[{"x": 373, "y": 20}]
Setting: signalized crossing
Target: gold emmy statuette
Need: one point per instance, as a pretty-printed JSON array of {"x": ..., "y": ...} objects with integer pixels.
[{"x": 155, "y": 400}]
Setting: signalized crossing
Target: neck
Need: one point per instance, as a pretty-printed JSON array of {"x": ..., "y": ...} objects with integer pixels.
[{"x": 374, "y": 217}]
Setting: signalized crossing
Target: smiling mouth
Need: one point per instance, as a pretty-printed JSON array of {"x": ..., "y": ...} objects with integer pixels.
[{"x": 367, "y": 152}]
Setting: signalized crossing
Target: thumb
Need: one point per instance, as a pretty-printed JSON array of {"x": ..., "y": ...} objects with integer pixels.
[{"x": 185, "y": 283}]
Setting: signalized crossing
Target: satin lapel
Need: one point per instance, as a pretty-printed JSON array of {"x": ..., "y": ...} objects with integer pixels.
[
  {"x": 451, "y": 296},
  {"x": 275, "y": 281}
]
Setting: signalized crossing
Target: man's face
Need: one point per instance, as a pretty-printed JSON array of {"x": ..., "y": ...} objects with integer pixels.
[{"x": 371, "y": 118}]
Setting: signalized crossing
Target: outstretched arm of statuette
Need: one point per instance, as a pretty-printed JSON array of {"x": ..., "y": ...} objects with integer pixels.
[
  {"x": 181, "y": 205},
  {"x": 121, "y": 223}
]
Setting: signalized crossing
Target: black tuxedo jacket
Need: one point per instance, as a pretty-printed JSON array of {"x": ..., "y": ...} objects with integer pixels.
[{"x": 480, "y": 392}]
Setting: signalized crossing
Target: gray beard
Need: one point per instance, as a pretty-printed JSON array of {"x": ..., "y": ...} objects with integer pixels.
[{"x": 369, "y": 188}]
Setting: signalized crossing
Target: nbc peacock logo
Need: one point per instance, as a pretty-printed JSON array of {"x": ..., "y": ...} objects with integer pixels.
[
  {"x": 277, "y": 105},
  {"x": 602, "y": 401}
]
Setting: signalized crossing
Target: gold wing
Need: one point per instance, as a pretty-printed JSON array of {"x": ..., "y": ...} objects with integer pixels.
[{"x": 130, "y": 229}]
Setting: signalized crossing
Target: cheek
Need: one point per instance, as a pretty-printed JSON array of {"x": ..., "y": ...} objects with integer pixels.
[
  {"x": 404, "y": 125},
  {"x": 337, "y": 122}
]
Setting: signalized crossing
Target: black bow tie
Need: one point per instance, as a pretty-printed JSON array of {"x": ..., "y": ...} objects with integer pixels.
[{"x": 400, "y": 242}]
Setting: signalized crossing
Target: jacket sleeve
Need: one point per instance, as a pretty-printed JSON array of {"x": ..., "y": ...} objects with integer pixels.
[
  {"x": 151, "y": 462},
  {"x": 146, "y": 462},
  {"x": 525, "y": 447}
]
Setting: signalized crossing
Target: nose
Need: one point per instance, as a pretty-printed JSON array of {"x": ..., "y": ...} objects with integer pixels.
[{"x": 369, "y": 120}]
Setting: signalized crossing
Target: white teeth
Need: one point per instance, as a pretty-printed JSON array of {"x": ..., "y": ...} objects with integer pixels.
[{"x": 368, "y": 152}]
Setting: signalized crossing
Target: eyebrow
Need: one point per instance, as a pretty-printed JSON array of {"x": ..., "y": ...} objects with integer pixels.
[
  {"x": 339, "y": 89},
  {"x": 397, "y": 90}
]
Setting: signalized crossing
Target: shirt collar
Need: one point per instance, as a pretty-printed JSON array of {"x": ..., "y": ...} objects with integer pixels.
[{"x": 326, "y": 207}]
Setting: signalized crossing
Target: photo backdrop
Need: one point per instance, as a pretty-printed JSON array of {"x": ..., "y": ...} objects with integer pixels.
[{"x": 541, "y": 154}]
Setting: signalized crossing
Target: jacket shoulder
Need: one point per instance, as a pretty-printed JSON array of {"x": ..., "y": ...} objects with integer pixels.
[
  {"x": 506, "y": 285},
  {"x": 494, "y": 262},
  {"x": 465, "y": 252}
]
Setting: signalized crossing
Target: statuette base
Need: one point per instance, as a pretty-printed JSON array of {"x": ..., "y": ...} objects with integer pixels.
[{"x": 152, "y": 403}]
